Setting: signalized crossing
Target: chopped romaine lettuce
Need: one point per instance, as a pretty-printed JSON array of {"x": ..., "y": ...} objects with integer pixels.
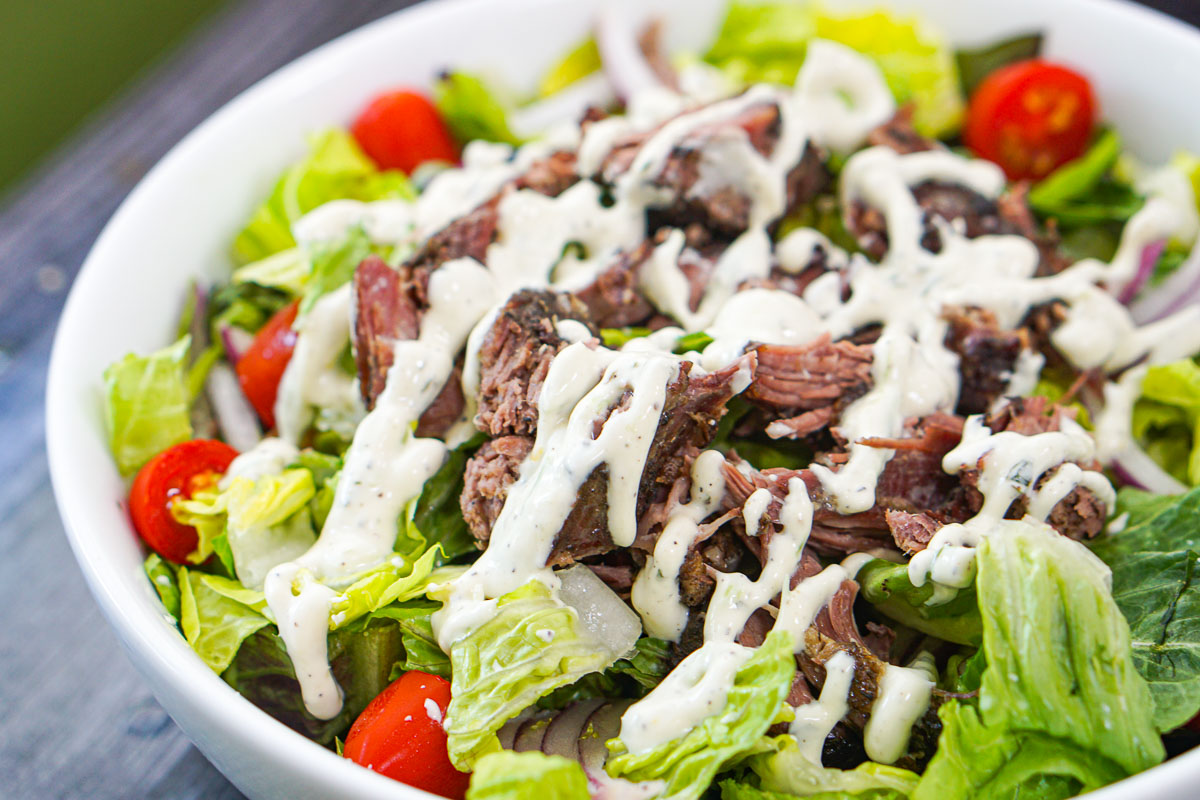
[
  {"x": 1075, "y": 179},
  {"x": 532, "y": 646},
  {"x": 421, "y": 651},
  {"x": 162, "y": 576},
  {"x": 288, "y": 270},
  {"x": 1061, "y": 706},
  {"x": 788, "y": 772},
  {"x": 333, "y": 264},
  {"x": 976, "y": 64},
  {"x": 1154, "y": 569},
  {"x": 689, "y": 763},
  {"x": 437, "y": 517},
  {"x": 213, "y": 624},
  {"x": 527, "y": 776},
  {"x": 265, "y": 521},
  {"x": 1167, "y": 416},
  {"x": 581, "y": 61},
  {"x": 767, "y": 42},
  {"x": 886, "y": 585},
  {"x": 394, "y": 581},
  {"x": 146, "y": 404},
  {"x": 336, "y": 168},
  {"x": 471, "y": 110}
]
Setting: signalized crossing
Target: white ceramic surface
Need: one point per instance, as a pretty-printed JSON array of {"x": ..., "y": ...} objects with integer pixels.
[{"x": 178, "y": 224}]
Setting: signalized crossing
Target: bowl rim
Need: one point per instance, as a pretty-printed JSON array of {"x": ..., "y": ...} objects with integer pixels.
[{"x": 156, "y": 642}]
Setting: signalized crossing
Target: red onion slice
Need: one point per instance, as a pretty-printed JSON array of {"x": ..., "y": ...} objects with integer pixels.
[
  {"x": 1135, "y": 468},
  {"x": 1150, "y": 255},
  {"x": 530, "y": 734},
  {"x": 235, "y": 416},
  {"x": 602, "y": 725},
  {"x": 1180, "y": 289},
  {"x": 562, "y": 736},
  {"x": 235, "y": 340},
  {"x": 625, "y": 64}
]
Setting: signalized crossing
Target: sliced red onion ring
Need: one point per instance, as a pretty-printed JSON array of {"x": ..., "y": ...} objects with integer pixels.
[
  {"x": 624, "y": 62},
  {"x": 602, "y": 725},
  {"x": 1180, "y": 289},
  {"x": 562, "y": 736},
  {"x": 1139, "y": 470},
  {"x": 235, "y": 340},
  {"x": 235, "y": 417},
  {"x": 531, "y": 733},
  {"x": 1150, "y": 255}
]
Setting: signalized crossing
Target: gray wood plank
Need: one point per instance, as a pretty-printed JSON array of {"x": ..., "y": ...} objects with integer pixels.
[{"x": 76, "y": 720}]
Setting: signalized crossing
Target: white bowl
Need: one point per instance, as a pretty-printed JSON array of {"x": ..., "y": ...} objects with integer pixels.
[{"x": 179, "y": 222}]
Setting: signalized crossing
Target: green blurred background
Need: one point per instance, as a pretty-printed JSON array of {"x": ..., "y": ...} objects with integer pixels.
[{"x": 60, "y": 60}]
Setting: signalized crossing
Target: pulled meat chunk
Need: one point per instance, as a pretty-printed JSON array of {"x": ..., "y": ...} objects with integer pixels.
[
  {"x": 516, "y": 356},
  {"x": 987, "y": 356},
  {"x": 807, "y": 386}
]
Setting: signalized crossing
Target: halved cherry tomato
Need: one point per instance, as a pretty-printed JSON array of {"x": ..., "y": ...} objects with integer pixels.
[
  {"x": 400, "y": 735},
  {"x": 402, "y": 130},
  {"x": 178, "y": 471},
  {"x": 261, "y": 366},
  {"x": 1031, "y": 118}
]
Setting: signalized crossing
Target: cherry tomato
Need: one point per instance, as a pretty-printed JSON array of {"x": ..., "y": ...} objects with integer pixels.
[
  {"x": 178, "y": 471},
  {"x": 262, "y": 365},
  {"x": 400, "y": 735},
  {"x": 1031, "y": 118},
  {"x": 402, "y": 130}
]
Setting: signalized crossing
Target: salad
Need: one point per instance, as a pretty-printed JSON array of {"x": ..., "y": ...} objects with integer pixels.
[{"x": 813, "y": 416}]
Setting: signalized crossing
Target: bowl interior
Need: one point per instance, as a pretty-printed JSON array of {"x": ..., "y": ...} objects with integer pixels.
[{"x": 178, "y": 224}]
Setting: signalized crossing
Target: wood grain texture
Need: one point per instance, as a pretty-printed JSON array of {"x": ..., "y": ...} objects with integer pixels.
[{"x": 75, "y": 720}]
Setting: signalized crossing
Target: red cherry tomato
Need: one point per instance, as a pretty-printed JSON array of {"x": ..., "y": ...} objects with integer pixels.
[
  {"x": 262, "y": 365},
  {"x": 402, "y": 130},
  {"x": 400, "y": 735},
  {"x": 1031, "y": 118},
  {"x": 178, "y": 471}
]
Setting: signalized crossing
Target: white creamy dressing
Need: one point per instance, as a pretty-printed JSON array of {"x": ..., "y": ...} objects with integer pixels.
[
  {"x": 814, "y": 721},
  {"x": 385, "y": 467},
  {"x": 313, "y": 378},
  {"x": 269, "y": 457}
]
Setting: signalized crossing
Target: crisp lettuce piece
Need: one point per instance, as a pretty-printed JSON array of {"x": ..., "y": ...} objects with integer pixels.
[
  {"x": 213, "y": 624},
  {"x": 162, "y": 577},
  {"x": 471, "y": 109},
  {"x": 436, "y": 517},
  {"x": 527, "y": 776},
  {"x": 333, "y": 264},
  {"x": 506, "y": 664},
  {"x": 581, "y": 61},
  {"x": 393, "y": 581},
  {"x": 976, "y": 64},
  {"x": 421, "y": 651},
  {"x": 688, "y": 764},
  {"x": 789, "y": 772},
  {"x": 265, "y": 521},
  {"x": 1061, "y": 706},
  {"x": 767, "y": 42},
  {"x": 1154, "y": 568},
  {"x": 336, "y": 168},
  {"x": 1166, "y": 418},
  {"x": 288, "y": 270},
  {"x": 1076, "y": 178},
  {"x": 146, "y": 404},
  {"x": 886, "y": 585}
]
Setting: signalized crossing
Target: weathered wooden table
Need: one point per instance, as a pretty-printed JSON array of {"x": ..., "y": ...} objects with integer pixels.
[{"x": 75, "y": 720}]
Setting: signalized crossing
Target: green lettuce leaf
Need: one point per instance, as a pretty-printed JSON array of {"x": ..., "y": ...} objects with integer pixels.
[
  {"x": 527, "y": 776},
  {"x": 789, "y": 772},
  {"x": 1061, "y": 707},
  {"x": 504, "y": 666},
  {"x": 767, "y": 42},
  {"x": 976, "y": 64},
  {"x": 162, "y": 577},
  {"x": 581, "y": 61},
  {"x": 146, "y": 405},
  {"x": 213, "y": 624},
  {"x": 437, "y": 516},
  {"x": 333, "y": 264},
  {"x": 688, "y": 764},
  {"x": 288, "y": 270},
  {"x": 361, "y": 660},
  {"x": 471, "y": 110},
  {"x": 421, "y": 651},
  {"x": 1154, "y": 581},
  {"x": 393, "y": 581},
  {"x": 265, "y": 521},
  {"x": 336, "y": 168},
  {"x": 1167, "y": 416},
  {"x": 886, "y": 585},
  {"x": 1139, "y": 506},
  {"x": 1076, "y": 178}
]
